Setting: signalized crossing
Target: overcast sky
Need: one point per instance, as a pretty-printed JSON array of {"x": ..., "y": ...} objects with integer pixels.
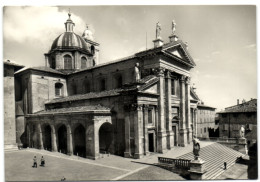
[{"x": 221, "y": 39}]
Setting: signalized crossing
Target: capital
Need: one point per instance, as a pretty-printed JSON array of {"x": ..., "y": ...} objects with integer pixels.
[
  {"x": 167, "y": 74},
  {"x": 187, "y": 79},
  {"x": 182, "y": 78},
  {"x": 146, "y": 106},
  {"x": 159, "y": 72}
]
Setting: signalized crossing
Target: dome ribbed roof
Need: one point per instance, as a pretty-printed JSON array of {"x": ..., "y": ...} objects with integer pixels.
[{"x": 69, "y": 41}]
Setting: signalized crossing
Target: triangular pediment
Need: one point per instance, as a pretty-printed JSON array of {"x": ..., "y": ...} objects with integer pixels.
[
  {"x": 180, "y": 53},
  {"x": 152, "y": 89}
]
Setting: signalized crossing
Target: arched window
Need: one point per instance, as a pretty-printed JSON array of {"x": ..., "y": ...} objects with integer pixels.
[
  {"x": 83, "y": 63},
  {"x": 58, "y": 89},
  {"x": 67, "y": 62}
]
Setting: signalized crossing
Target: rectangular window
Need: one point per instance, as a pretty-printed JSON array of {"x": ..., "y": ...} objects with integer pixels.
[
  {"x": 150, "y": 116},
  {"x": 173, "y": 87},
  {"x": 175, "y": 112}
]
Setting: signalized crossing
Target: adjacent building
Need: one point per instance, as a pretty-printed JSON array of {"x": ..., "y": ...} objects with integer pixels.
[
  {"x": 233, "y": 118},
  {"x": 9, "y": 104}
]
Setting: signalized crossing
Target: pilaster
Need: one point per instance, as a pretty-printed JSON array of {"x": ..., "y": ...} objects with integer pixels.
[
  {"x": 53, "y": 139},
  {"x": 69, "y": 140},
  {"x": 168, "y": 93},
  {"x": 146, "y": 139},
  {"x": 138, "y": 130},
  {"x": 182, "y": 130},
  {"x": 187, "y": 109},
  {"x": 40, "y": 136},
  {"x": 161, "y": 145},
  {"x": 127, "y": 152}
]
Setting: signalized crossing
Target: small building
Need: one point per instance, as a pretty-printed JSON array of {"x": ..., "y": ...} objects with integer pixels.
[
  {"x": 206, "y": 121},
  {"x": 9, "y": 104},
  {"x": 233, "y": 118}
]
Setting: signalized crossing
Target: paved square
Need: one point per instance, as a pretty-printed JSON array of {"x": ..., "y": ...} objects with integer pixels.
[{"x": 18, "y": 167}]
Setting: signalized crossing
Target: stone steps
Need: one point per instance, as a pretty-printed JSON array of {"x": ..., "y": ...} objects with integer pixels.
[{"x": 214, "y": 156}]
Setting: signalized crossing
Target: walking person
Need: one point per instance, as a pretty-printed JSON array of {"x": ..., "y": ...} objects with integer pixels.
[
  {"x": 35, "y": 162},
  {"x": 42, "y": 161}
]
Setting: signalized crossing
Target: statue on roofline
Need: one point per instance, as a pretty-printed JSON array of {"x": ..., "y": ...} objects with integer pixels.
[
  {"x": 173, "y": 27},
  {"x": 158, "y": 30}
]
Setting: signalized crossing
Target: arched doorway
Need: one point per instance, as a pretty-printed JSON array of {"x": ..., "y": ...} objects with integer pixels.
[
  {"x": 62, "y": 139},
  {"x": 105, "y": 137},
  {"x": 80, "y": 141},
  {"x": 47, "y": 138}
]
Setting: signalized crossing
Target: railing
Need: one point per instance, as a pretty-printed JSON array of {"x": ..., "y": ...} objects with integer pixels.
[
  {"x": 220, "y": 140},
  {"x": 180, "y": 163}
]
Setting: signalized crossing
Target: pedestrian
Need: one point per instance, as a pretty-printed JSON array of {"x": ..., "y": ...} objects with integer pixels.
[
  {"x": 63, "y": 178},
  {"x": 42, "y": 161},
  {"x": 225, "y": 165},
  {"x": 35, "y": 162}
]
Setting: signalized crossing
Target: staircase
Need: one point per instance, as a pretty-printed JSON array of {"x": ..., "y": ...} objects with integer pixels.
[{"x": 214, "y": 156}]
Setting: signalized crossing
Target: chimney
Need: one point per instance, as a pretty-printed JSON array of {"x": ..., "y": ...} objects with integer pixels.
[{"x": 237, "y": 101}]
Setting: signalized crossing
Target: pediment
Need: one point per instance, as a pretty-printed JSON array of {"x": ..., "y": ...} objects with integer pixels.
[
  {"x": 180, "y": 53},
  {"x": 152, "y": 89}
]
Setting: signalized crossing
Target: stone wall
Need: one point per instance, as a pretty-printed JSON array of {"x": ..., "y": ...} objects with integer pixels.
[
  {"x": 9, "y": 107},
  {"x": 230, "y": 123},
  {"x": 206, "y": 120}
]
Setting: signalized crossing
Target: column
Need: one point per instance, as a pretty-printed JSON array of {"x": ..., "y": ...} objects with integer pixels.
[
  {"x": 187, "y": 106},
  {"x": 53, "y": 139},
  {"x": 146, "y": 139},
  {"x": 138, "y": 130},
  {"x": 40, "y": 143},
  {"x": 127, "y": 152},
  {"x": 168, "y": 91},
  {"x": 28, "y": 135},
  {"x": 182, "y": 130},
  {"x": 69, "y": 140},
  {"x": 161, "y": 145},
  {"x": 195, "y": 122}
]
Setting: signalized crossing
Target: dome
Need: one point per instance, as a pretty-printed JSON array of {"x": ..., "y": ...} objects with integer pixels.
[{"x": 69, "y": 41}]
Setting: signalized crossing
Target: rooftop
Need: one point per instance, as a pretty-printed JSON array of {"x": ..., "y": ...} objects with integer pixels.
[
  {"x": 80, "y": 109},
  {"x": 249, "y": 106}
]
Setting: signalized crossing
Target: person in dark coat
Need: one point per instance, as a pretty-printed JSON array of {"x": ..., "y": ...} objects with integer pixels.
[
  {"x": 35, "y": 162},
  {"x": 42, "y": 161}
]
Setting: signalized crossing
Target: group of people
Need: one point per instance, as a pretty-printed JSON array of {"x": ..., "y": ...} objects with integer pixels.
[{"x": 35, "y": 162}]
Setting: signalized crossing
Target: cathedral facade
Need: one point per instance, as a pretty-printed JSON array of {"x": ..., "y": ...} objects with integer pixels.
[{"x": 129, "y": 107}]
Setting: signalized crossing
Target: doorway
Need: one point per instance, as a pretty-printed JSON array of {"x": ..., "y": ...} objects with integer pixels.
[{"x": 151, "y": 142}]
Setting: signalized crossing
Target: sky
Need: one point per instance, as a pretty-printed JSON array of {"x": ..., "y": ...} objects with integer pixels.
[{"x": 221, "y": 40}]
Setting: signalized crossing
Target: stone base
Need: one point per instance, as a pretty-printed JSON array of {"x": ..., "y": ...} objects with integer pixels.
[
  {"x": 127, "y": 155},
  {"x": 158, "y": 42},
  {"x": 197, "y": 169},
  {"x": 170, "y": 139},
  {"x": 173, "y": 38},
  {"x": 138, "y": 156},
  {"x": 183, "y": 138},
  {"x": 93, "y": 158},
  {"x": 242, "y": 141},
  {"x": 10, "y": 147},
  {"x": 161, "y": 145}
]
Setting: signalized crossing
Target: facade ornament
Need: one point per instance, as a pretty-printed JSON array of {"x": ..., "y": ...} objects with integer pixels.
[
  {"x": 146, "y": 106},
  {"x": 196, "y": 147},
  {"x": 158, "y": 30},
  {"x": 173, "y": 27},
  {"x": 168, "y": 74},
  {"x": 137, "y": 72},
  {"x": 159, "y": 71},
  {"x": 187, "y": 80},
  {"x": 182, "y": 78},
  {"x": 242, "y": 132}
]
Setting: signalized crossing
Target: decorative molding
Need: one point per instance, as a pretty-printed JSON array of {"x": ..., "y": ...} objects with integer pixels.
[{"x": 182, "y": 78}]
